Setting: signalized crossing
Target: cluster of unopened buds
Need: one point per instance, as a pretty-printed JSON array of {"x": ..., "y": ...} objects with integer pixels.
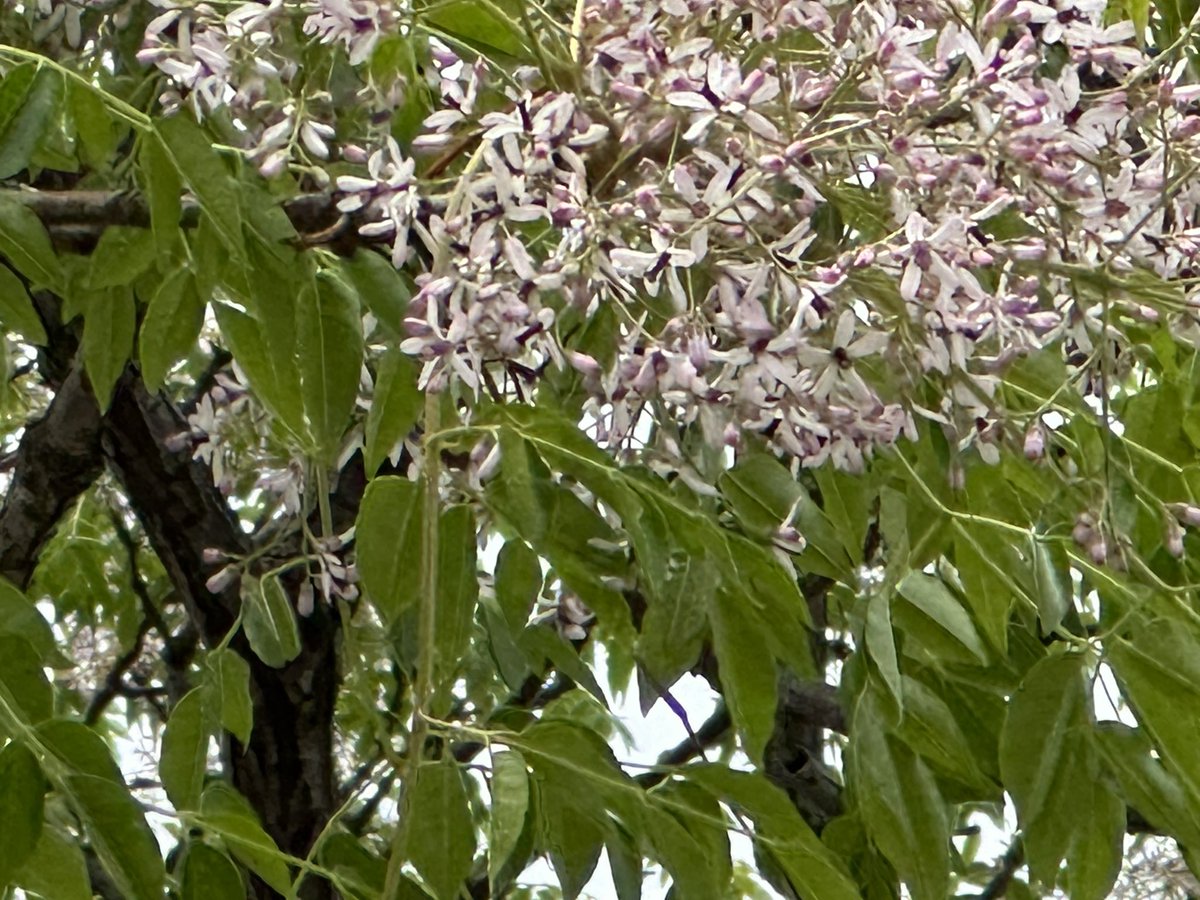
[
  {"x": 1093, "y": 536},
  {"x": 1179, "y": 515}
]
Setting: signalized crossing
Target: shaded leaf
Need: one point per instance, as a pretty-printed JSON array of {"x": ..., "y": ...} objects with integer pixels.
[
  {"x": 22, "y": 793},
  {"x": 120, "y": 836},
  {"x": 108, "y": 329},
  {"x": 25, "y": 244},
  {"x": 24, "y": 689},
  {"x": 226, "y": 812},
  {"x": 442, "y": 845},
  {"x": 56, "y": 870},
  {"x": 388, "y": 537},
  {"x": 208, "y": 874},
  {"x": 510, "y": 802},
  {"x": 330, "y": 343},
  {"x": 269, "y": 621},
  {"x": 16, "y": 309},
  {"x": 171, "y": 326},
  {"x": 230, "y": 676},
  {"x": 184, "y": 757},
  {"x": 395, "y": 408},
  {"x": 42, "y": 104}
]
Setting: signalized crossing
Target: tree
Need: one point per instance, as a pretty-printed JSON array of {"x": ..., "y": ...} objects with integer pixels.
[{"x": 392, "y": 386}]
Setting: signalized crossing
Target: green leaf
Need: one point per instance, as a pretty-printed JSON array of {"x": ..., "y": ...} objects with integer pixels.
[
  {"x": 676, "y": 620},
  {"x": 57, "y": 869},
  {"x": 16, "y": 309},
  {"x": 476, "y": 25},
  {"x": 1052, "y": 600},
  {"x": 901, "y": 806},
  {"x": 330, "y": 343},
  {"x": 509, "y": 790},
  {"x": 749, "y": 679},
  {"x": 163, "y": 188},
  {"x": 686, "y": 829},
  {"x": 171, "y": 326},
  {"x": 80, "y": 748},
  {"x": 1043, "y": 758},
  {"x": 24, "y": 690},
  {"x": 273, "y": 382},
  {"x": 880, "y": 642},
  {"x": 208, "y": 874},
  {"x": 930, "y": 727},
  {"x": 1095, "y": 854},
  {"x": 269, "y": 621},
  {"x": 189, "y": 149},
  {"x": 380, "y": 288},
  {"x": 120, "y": 836},
  {"x": 395, "y": 408},
  {"x": 360, "y": 870},
  {"x": 442, "y": 845},
  {"x": 23, "y": 134},
  {"x": 19, "y": 616},
  {"x": 14, "y": 88},
  {"x": 108, "y": 330},
  {"x": 931, "y": 596},
  {"x": 93, "y": 124},
  {"x": 388, "y": 538},
  {"x": 25, "y": 244},
  {"x": 1159, "y": 672},
  {"x": 1145, "y": 782},
  {"x": 224, "y": 811},
  {"x": 521, "y": 487},
  {"x": 121, "y": 255},
  {"x": 184, "y": 760},
  {"x": 22, "y": 793},
  {"x": 988, "y": 597},
  {"x": 779, "y": 831},
  {"x": 229, "y": 675},
  {"x": 518, "y": 582},
  {"x": 458, "y": 589}
]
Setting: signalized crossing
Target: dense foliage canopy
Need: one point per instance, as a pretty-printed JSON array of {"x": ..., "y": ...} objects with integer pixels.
[{"x": 393, "y": 389}]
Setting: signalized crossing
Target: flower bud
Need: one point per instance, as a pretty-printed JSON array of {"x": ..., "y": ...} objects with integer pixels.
[
  {"x": 1173, "y": 538},
  {"x": 1035, "y": 442},
  {"x": 223, "y": 579}
]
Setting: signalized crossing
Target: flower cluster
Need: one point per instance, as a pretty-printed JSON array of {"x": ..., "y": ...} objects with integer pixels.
[{"x": 820, "y": 222}]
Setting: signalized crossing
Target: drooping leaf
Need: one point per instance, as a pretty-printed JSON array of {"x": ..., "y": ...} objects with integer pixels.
[
  {"x": 24, "y": 690},
  {"x": 931, "y": 596},
  {"x": 93, "y": 124},
  {"x": 22, "y": 793},
  {"x": 16, "y": 309},
  {"x": 881, "y": 645},
  {"x": 225, "y": 812},
  {"x": 395, "y": 408},
  {"x": 81, "y": 749},
  {"x": 389, "y": 545},
  {"x": 510, "y": 802},
  {"x": 676, "y": 620},
  {"x": 442, "y": 842},
  {"x": 748, "y": 679},
  {"x": 458, "y": 589},
  {"x": 1094, "y": 857},
  {"x": 42, "y": 104},
  {"x": 25, "y": 244},
  {"x": 56, "y": 870},
  {"x": 229, "y": 676},
  {"x": 121, "y": 255},
  {"x": 20, "y": 617},
  {"x": 163, "y": 187},
  {"x": 330, "y": 343},
  {"x": 120, "y": 836},
  {"x": 1043, "y": 758},
  {"x": 477, "y": 26},
  {"x": 380, "y": 288},
  {"x": 902, "y": 808},
  {"x": 1145, "y": 783},
  {"x": 170, "y": 327},
  {"x": 208, "y": 874},
  {"x": 184, "y": 760},
  {"x": 189, "y": 150},
  {"x": 108, "y": 329},
  {"x": 779, "y": 831},
  {"x": 269, "y": 620},
  {"x": 518, "y": 582}
]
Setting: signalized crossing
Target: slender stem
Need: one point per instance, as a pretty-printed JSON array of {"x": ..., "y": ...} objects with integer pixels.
[
  {"x": 423, "y": 686},
  {"x": 323, "y": 500}
]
